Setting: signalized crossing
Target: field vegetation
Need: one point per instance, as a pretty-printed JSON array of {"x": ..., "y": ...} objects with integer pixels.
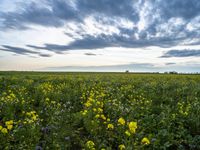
[{"x": 101, "y": 111}]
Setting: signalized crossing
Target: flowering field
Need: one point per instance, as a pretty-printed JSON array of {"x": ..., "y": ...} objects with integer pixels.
[{"x": 101, "y": 111}]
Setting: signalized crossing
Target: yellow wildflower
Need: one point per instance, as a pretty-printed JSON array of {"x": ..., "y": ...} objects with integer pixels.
[
  {"x": 132, "y": 126},
  {"x": 110, "y": 126},
  {"x": 100, "y": 110},
  {"x": 108, "y": 119},
  {"x": 97, "y": 116},
  {"x": 145, "y": 141},
  {"x": 9, "y": 122},
  {"x": 84, "y": 112},
  {"x": 34, "y": 118},
  {"x": 121, "y": 121},
  {"x": 98, "y": 103},
  {"x": 90, "y": 144},
  {"x": 9, "y": 127},
  {"x": 88, "y": 104},
  {"x": 127, "y": 133},
  {"x": 28, "y": 114},
  {"x": 103, "y": 117},
  {"x": 121, "y": 147},
  {"x": 4, "y": 130}
]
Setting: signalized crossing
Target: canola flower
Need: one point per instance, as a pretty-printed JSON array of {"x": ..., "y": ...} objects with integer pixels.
[
  {"x": 121, "y": 121},
  {"x": 110, "y": 126},
  {"x": 100, "y": 110},
  {"x": 9, "y": 127},
  {"x": 97, "y": 116},
  {"x": 108, "y": 119},
  {"x": 103, "y": 117},
  {"x": 84, "y": 112},
  {"x": 9, "y": 124},
  {"x": 90, "y": 144},
  {"x": 31, "y": 117},
  {"x": 145, "y": 141},
  {"x": 132, "y": 126},
  {"x": 121, "y": 147},
  {"x": 127, "y": 133},
  {"x": 88, "y": 104},
  {"x": 4, "y": 130}
]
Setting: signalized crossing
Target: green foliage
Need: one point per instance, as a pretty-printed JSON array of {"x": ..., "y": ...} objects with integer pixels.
[{"x": 99, "y": 111}]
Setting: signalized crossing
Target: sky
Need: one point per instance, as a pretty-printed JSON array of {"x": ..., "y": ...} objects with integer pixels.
[{"x": 100, "y": 35}]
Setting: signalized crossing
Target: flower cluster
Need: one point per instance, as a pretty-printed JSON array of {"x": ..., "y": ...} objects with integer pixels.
[
  {"x": 121, "y": 121},
  {"x": 145, "y": 141},
  {"x": 8, "y": 126},
  {"x": 132, "y": 126},
  {"x": 31, "y": 117},
  {"x": 90, "y": 145}
]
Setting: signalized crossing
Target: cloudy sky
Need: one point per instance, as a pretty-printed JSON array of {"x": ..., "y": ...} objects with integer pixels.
[{"x": 100, "y": 35}]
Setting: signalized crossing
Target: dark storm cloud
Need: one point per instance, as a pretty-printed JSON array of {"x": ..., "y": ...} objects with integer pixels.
[
  {"x": 90, "y": 54},
  {"x": 119, "y": 8},
  {"x": 45, "y": 55},
  {"x": 55, "y": 13},
  {"x": 170, "y": 64},
  {"x": 17, "y": 50},
  {"x": 22, "y": 51},
  {"x": 182, "y": 53},
  {"x": 51, "y": 47},
  {"x": 103, "y": 41},
  {"x": 186, "y": 9},
  {"x": 31, "y": 14}
]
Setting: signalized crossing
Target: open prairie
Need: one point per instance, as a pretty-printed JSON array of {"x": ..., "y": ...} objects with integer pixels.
[{"x": 99, "y": 111}]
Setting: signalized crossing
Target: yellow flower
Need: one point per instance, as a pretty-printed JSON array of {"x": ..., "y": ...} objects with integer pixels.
[
  {"x": 9, "y": 122},
  {"x": 100, "y": 110},
  {"x": 121, "y": 147},
  {"x": 132, "y": 126},
  {"x": 110, "y": 126},
  {"x": 88, "y": 104},
  {"x": 108, "y": 119},
  {"x": 9, "y": 127},
  {"x": 97, "y": 116},
  {"x": 90, "y": 144},
  {"x": 84, "y": 112},
  {"x": 34, "y": 118},
  {"x": 28, "y": 114},
  {"x": 121, "y": 121},
  {"x": 128, "y": 133},
  {"x": 145, "y": 141},
  {"x": 103, "y": 117},
  {"x": 4, "y": 130},
  {"x": 98, "y": 103}
]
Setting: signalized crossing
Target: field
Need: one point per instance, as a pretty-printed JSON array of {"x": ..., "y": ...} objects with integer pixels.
[{"x": 101, "y": 111}]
